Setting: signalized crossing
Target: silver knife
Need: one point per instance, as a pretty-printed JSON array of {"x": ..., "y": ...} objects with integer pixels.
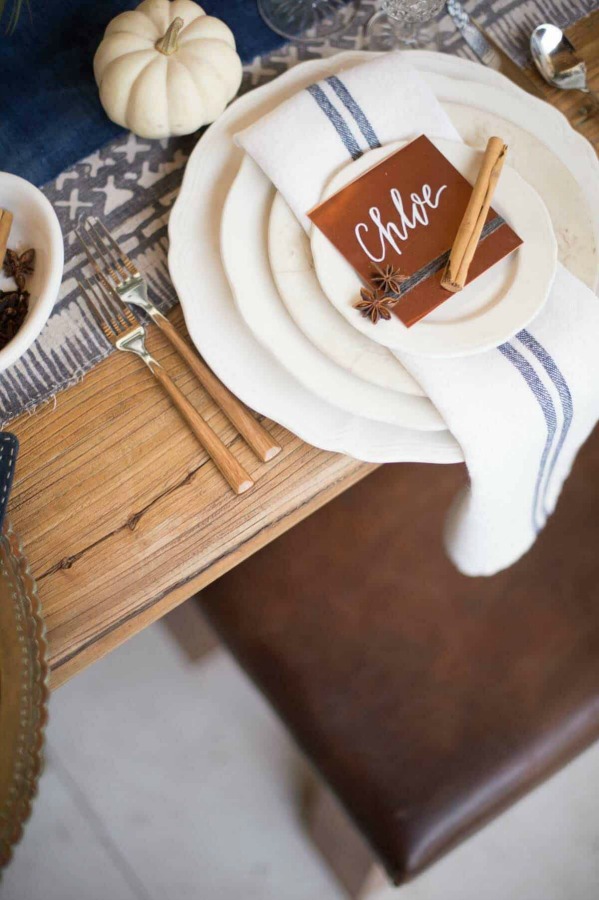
[{"x": 487, "y": 50}]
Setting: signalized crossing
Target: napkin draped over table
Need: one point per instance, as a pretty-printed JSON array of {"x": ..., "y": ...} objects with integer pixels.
[{"x": 520, "y": 412}]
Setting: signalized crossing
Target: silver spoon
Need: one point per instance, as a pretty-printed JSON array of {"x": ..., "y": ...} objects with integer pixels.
[{"x": 557, "y": 60}]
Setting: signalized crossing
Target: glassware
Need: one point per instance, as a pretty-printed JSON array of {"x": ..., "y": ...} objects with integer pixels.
[
  {"x": 307, "y": 20},
  {"x": 399, "y": 23}
]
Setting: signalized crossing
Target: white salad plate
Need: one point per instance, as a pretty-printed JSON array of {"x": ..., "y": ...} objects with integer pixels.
[
  {"x": 487, "y": 312},
  {"x": 562, "y": 193},
  {"x": 244, "y": 250},
  {"x": 293, "y": 271},
  {"x": 212, "y": 318},
  {"x": 325, "y": 373},
  {"x": 302, "y": 295}
]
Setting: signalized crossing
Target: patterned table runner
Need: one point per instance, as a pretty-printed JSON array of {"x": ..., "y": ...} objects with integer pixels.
[{"x": 132, "y": 184}]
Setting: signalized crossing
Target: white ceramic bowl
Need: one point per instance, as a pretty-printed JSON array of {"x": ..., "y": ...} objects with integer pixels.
[{"x": 34, "y": 225}]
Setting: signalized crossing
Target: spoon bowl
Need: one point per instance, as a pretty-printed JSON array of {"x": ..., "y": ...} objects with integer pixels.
[{"x": 556, "y": 59}]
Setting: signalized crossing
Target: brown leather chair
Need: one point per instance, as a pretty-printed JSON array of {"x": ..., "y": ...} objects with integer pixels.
[{"x": 427, "y": 700}]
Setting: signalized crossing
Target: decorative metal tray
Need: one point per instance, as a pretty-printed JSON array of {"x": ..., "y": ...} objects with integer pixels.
[{"x": 23, "y": 691}]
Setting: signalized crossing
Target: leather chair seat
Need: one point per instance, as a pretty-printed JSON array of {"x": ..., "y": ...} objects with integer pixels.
[{"x": 428, "y": 701}]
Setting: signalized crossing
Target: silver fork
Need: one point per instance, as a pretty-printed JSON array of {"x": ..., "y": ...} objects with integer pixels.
[
  {"x": 122, "y": 329},
  {"x": 128, "y": 283}
]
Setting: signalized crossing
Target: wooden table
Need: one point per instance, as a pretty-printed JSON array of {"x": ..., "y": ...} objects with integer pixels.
[{"x": 121, "y": 513}]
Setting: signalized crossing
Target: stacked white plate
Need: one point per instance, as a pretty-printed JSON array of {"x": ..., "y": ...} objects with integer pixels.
[{"x": 256, "y": 310}]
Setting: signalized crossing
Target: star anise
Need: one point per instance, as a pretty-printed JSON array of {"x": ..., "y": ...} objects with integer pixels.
[
  {"x": 374, "y": 305},
  {"x": 19, "y": 266},
  {"x": 9, "y": 299},
  {"x": 388, "y": 280},
  {"x": 13, "y": 309}
]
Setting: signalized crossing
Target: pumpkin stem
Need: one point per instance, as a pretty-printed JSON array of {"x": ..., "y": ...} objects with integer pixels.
[{"x": 169, "y": 43}]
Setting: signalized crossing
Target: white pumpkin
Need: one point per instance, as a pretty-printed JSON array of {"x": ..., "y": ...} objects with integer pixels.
[{"x": 166, "y": 68}]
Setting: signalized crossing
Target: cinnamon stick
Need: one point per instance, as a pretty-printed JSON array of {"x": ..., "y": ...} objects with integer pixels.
[
  {"x": 466, "y": 240},
  {"x": 5, "y": 226}
]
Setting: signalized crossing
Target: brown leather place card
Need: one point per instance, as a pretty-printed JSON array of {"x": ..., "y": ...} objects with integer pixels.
[{"x": 405, "y": 212}]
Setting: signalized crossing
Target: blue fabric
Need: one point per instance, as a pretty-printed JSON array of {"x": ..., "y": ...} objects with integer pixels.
[
  {"x": 9, "y": 446},
  {"x": 50, "y": 115}
]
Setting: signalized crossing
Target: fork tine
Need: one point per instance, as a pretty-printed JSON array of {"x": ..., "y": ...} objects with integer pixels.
[
  {"x": 92, "y": 261},
  {"x": 113, "y": 306},
  {"x": 90, "y": 297},
  {"x": 128, "y": 314},
  {"x": 127, "y": 261},
  {"x": 106, "y": 288},
  {"x": 113, "y": 300},
  {"x": 87, "y": 250},
  {"x": 102, "y": 251},
  {"x": 100, "y": 241},
  {"x": 104, "y": 308}
]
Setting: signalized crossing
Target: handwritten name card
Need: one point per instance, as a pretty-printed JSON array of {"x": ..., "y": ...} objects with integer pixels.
[{"x": 405, "y": 212}]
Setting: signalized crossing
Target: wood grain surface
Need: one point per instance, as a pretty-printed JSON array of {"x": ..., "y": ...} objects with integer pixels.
[{"x": 123, "y": 515}]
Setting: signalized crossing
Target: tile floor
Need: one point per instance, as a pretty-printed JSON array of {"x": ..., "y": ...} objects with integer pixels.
[{"x": 168, "y": 777}]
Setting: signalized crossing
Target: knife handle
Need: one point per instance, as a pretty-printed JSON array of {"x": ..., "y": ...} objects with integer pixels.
[{"x": 262, "y": 443}]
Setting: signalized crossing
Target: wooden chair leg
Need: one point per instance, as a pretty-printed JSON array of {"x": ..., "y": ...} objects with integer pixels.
[
  {"x": 377, "y": 886},
  {"x": 343, "y": 847},
  {"x": 190, "y": 631}
]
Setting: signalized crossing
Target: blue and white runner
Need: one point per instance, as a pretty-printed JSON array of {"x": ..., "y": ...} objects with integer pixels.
[{"x": 132, "y": 184}]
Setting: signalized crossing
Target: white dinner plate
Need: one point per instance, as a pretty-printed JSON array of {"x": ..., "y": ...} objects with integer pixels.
[
  {"x": 299, "y": 288},
  {"x": 270, "y": 323},
  {"x": 212, "y": 319},
  {"x": 488, "y": 311}
]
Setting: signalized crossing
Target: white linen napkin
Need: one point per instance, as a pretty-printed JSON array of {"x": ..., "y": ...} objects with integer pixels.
[
  {"x": 520, "y": 412},
  {"x": 302, "y": 143}
]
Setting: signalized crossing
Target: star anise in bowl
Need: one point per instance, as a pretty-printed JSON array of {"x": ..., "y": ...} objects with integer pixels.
[
  {"x": 14, "y": 306},
  {"x": 374, "y": 305},
  {"x": 387, "y": 280},
  {"x": 19, "y": 266}
]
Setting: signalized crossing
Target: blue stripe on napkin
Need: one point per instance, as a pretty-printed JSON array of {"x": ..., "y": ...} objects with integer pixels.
[
  {"x": 565, "y": 396},
  {"x": 543, "y": 398},
  {"x": 336, "y": 120},
  {"x": 355, "y": 110}
]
